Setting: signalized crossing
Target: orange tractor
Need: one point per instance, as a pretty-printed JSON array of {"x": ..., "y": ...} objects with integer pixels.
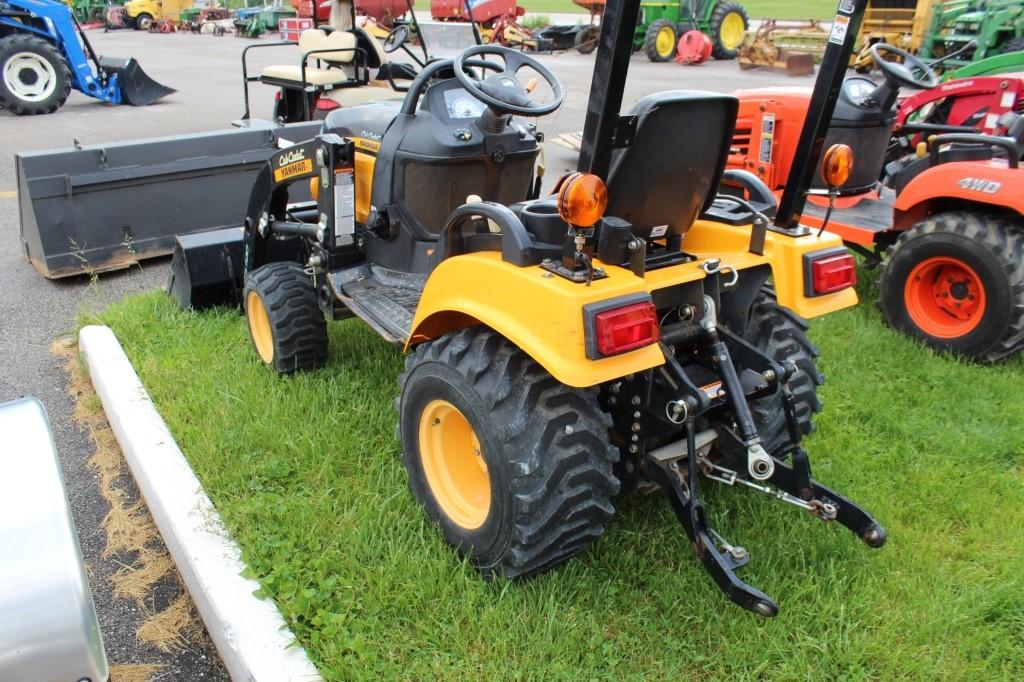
[{"x": 940, "y": 206}]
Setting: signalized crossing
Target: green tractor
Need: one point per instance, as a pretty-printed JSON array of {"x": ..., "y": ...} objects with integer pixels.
[
  {"x": 995, "y": 26},
  {"x": 662, "y": 23}
]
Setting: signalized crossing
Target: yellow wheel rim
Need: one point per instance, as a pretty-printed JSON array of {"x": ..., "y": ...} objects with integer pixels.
[
  {"x": 732, "y": 31},
  {"x": 454, "y": 465},
  {"x": 665, "y": 43},
  {"x": 259, "y": 327}
]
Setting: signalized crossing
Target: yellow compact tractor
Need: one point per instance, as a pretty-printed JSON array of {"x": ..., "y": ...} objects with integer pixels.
[{"x": 642, "y": 327}]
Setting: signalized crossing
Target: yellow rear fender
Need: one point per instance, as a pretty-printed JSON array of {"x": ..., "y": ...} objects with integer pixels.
[
  {"x": 784, "y": 254},
  {"x": 542, "y": 314}
]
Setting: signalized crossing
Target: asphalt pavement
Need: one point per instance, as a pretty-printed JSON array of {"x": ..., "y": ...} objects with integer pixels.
[{"x": 206, "y": 72}]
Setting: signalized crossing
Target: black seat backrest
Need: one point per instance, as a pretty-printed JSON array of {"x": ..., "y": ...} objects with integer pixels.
[{"x": 670, "y": 173}]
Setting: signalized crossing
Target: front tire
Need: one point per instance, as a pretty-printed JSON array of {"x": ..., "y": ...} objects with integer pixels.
[
  {"x": 727, "y": 26},
  {"x": 286, "y": 325},
  {"x": 661, "y": 40},
  {"x": 515, "y": 467},
  {"x": 956, "y": 282},
  {"x": 143, "y": 22},
  {"x": 586, "y": 39},
  {"x": 34, "y": 78},
  {"x": 782, "y": 334}
]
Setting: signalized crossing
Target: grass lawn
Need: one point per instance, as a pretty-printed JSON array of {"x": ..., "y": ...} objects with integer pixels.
[
  {"x": 306, "y": 474},
  {"x": 757, "y": 9}
]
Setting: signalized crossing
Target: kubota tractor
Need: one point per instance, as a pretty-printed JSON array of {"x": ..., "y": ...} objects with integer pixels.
[
  {"x": 948, "y": 220},
  {"x": 636, "y": 329}
]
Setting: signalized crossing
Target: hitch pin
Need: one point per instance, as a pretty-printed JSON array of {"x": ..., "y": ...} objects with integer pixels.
[{"x": 822, "y": 510}]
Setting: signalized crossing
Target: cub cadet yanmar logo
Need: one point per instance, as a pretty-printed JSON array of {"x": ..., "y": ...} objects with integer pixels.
[
  {"x": 291, "y": 157},
  {"x": 980, "y": 185},
  {"x": 292, "y": 163}
]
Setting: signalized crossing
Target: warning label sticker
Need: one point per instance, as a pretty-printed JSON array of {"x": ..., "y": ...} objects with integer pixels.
[
  {"x": 767, "y": 136},
  {"x": 712, "y": 390},
  {"x": 839, "y": 29},
  {"x": 293, "y": 169}
]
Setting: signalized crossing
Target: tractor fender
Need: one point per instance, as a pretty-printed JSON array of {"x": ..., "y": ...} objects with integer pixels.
[
  {"x": 959, "y": 184},
  {"x": 540, "y": 313}
]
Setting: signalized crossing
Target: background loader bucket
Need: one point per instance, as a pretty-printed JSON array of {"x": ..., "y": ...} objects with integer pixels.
[
  {"x": 105, "y": 207},
  {"x": 137, "y": 88}
]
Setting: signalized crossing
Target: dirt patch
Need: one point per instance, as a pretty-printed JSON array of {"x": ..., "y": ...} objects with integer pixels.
[{"x": 147, "y": 575}]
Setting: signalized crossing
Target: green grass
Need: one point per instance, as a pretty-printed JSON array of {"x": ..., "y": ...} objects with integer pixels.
[
  {"x": 757, "y": 9},
  {"x": 306, "y": 474}
]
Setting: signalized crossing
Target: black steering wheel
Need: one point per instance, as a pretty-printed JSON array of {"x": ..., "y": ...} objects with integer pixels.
[
  {"x": 912, "y": 73},
  {"x": 502, "y": 91},
  {"x": 396, "y": 38}
]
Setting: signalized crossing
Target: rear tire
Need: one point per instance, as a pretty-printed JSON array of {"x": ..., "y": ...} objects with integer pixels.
[
  {"x": 724, "y": 29},
  {"x": 34, "y": 78},
  {"x": 286, "y": 325},
  {"x": 661, "y": 40},
  {"x": 782, "y": 334},
  {"x": 971, "y": 259},
  {"x": 586, "y": 39},
  {"x": 547, "y": 482},
  {"x": 143, "y": 22}
]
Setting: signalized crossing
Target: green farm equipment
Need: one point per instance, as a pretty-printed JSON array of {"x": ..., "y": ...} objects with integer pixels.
[
  {"x": 994, "y": 26},
  {"x": 660, "y": 25},
  {"x": 88, "y": 11}
]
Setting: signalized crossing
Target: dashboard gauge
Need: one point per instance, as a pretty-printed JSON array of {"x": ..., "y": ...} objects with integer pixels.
[
  {"x": 858, "y": 88},
  {"x": 461, "y": 105}
]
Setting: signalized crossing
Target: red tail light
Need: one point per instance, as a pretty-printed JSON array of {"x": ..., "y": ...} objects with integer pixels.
[
  {"x": 833, "y": 273},
  {"x": 624, "y": 329},
  {"x": 325, "y": 104}
]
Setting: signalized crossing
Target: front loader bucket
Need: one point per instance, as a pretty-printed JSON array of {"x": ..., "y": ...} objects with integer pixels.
[
  {"x": 106, "y": 207},
  {"x": 137, "y": 88}
]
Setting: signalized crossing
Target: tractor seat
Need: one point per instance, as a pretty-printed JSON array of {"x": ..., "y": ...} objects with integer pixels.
[
  {"x": 335, "y": 49},
  {"x": 670, "y": 172}
]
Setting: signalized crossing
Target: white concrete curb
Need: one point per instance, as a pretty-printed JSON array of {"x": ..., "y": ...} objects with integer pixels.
[{"x": 250, "y": 634}]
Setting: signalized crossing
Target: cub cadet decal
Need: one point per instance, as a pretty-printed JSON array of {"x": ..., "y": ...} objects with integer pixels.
[
  {"x": 292, "y": 163},
  {"x": 980, "y": 185}
]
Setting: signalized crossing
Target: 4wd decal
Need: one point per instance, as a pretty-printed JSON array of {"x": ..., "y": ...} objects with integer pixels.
[{"x": 980, "y": 185}]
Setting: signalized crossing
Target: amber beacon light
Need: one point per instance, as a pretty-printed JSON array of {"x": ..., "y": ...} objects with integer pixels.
[{"x": 582, "y": 199}]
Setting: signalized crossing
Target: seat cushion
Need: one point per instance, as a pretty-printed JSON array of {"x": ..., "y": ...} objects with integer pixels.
[
  {"x": 312, "y": 40},
  {"x": 314, "y": 76}
]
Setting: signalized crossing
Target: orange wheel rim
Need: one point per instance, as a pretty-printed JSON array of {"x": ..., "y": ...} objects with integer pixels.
[
  {"x": 454, "y": 465},
  {"x": 259, "y": 327},
  {"x": 945, "y": 298}
]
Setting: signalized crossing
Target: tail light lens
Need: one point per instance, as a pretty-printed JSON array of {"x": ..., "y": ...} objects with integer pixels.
[
  {"x": 326, "y": 104},
  {"x": 624, "y": 329},
  {"x": 833, "y": 273}
]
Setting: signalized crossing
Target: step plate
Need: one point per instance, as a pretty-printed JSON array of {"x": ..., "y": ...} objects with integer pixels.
[{"x": 388, "y": 309}]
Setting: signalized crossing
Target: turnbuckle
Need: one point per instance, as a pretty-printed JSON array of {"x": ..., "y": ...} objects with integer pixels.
[{"x": 823, "y": 510}]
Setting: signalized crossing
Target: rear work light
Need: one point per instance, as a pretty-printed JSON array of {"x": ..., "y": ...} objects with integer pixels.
[
  {"x": 626, "y": 328},
  {"x": 833, "y": 273}
]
